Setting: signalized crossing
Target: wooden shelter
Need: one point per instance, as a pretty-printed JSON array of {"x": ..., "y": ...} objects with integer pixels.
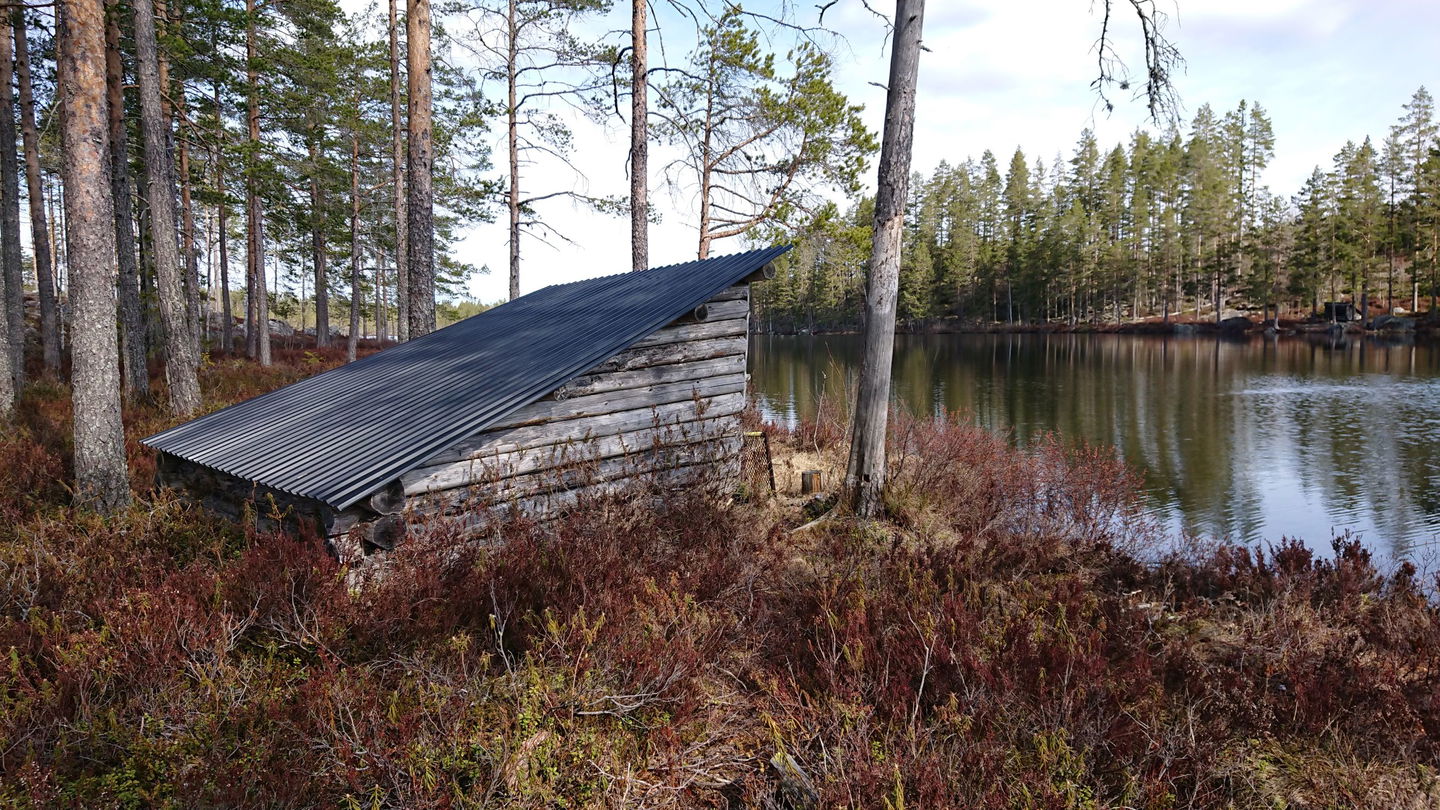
[{"x": 574, "y": 389}]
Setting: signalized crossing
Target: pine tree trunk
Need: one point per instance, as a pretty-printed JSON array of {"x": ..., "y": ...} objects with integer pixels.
[
  {"x": 354, "y": 339},
  {"x": 512, "y": 138},
  {"x": 865, "y": 473},
  {"x": 703, "y": 251},
  {"x": 187, "y": 236},
  {"x": 222, "y": 211},
  {"x": 639, "y": 138},
  {"x": 39, "y": 229},
  {"x": 317, "y": 247},
  {"x": 421, "y": 222},
  {"x": 382, "y": 315},
  {"x": 257, "y": 309},
  {"x": 181, "y": 358},
  {"x": 7, "y": 350},
  {"x": 101, "y": 478},
  {"x": 397, "y": 171},
  {"x": 132, "y": 325},
  {"x": 10, "y": 213}
]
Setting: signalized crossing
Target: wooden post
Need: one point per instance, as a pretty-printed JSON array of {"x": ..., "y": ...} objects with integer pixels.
[{"x": 811, "y": 482}]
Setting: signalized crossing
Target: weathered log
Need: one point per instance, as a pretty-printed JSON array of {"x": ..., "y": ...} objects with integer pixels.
[
  {"x": 507, "y": 440},
  {"x": 763, "y": 274},
  {"x": 655, "y": 375},
  {"x": 573, "y": 477},
  {"x": 388, "y": 500},
  {"x": 713, "y": 477},
  {"x": 497, "y": 466},
  {"x": 725, "y": 310},
  {"x": 384, "y": 533},
  {"x": 229, "y": 496},
  {"x": 794, "y": 788},
  {"x": 698, "y": 331},
  {"x": 594, "y": 404},
  {"x": 685, "y": 352},
  {"x": 699, "y": 314},
  {"x": 735, "y": 293}
]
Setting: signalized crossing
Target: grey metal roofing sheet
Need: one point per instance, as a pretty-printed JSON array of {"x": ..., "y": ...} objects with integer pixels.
[{"x": 339, "y": 436}]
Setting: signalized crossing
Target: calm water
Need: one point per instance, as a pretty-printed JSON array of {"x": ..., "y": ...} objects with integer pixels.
[{"x": 1249, "y": 440}]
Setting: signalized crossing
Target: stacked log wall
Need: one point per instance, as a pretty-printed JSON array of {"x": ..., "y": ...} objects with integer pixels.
[
  {"x": 237, "y": 499},
  {"x": 664, "y": 411}
]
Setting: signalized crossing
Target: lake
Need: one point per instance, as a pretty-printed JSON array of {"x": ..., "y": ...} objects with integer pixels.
[{"x": 1246, "y": 439}]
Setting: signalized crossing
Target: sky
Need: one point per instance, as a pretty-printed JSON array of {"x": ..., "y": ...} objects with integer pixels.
[{"x": 1003, "y": 73}]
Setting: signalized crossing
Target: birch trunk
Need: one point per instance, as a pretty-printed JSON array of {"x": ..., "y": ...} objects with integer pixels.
[
  {"x": 639, "y": 139},
  {"x": 420, "y": 214},
  {"x": 102, "y": 481},
  {"x": 132, "y": 325},
  {"x": 865, "y": 474},
  {"x": 397, "y": 171},
  {"x": 181, "y": 357},
  {"x": 39, "y": 229},
  {"x": 10, "y": 213}
]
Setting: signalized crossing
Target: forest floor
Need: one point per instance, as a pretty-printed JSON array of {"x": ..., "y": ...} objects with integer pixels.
[{"x": 1016, "y": 633}]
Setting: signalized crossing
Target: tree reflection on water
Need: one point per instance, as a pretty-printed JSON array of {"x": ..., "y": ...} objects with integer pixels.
[{"x": 1249, "y": 439}]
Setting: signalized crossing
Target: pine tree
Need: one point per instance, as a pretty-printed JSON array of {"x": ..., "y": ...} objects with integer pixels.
[
  {"x": 758, "y": 139},
  {"x": 420, "y": 211},
  {"x": 102, "y": 480},
  {"x": 39, "y": 226},
  {"x": 1313, "y": 256},
  {"x": 132, "y": 332},
  {"x": 1018, "y": 206},
  {"x": 10, "y": 212},
  {"x": 1358, "y": 219},
  {"x": 180, "y": 350},
  {"x": 531, "y": 51}
]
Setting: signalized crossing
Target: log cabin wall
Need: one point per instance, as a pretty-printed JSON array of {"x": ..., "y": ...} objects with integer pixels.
[
  {"x": 665, "y": 410},
  {"x": 236, "y": 499}
]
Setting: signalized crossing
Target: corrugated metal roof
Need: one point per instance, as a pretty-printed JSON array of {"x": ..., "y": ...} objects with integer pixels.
[{"x": 339, "y": 436}]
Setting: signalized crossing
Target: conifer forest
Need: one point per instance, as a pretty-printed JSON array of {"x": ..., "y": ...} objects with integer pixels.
[{"x": 1171, "y": 225}]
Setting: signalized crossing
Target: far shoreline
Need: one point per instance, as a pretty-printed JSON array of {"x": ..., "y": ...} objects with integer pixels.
[{"x": 1392, "y": 328}]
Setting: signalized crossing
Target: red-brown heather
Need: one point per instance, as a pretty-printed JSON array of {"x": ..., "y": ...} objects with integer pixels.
[{"x": 1014, "y": 634}]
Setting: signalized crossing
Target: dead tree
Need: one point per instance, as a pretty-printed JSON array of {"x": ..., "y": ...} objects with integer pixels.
[{"x": 865, "y": 474}]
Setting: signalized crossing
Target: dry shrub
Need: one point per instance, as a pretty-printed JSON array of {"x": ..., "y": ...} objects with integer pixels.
[{"x": 1000, "y": 642}]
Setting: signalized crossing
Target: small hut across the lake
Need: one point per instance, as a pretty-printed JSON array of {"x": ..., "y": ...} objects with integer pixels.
[{"x": 576, "y": 388}]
